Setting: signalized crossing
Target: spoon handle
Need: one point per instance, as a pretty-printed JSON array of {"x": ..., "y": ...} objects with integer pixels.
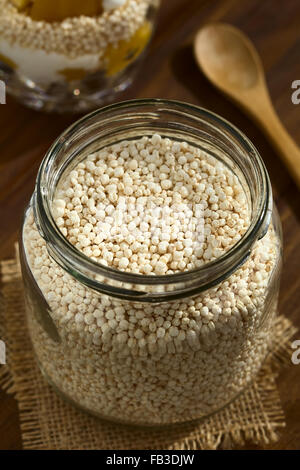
[{"x": 280, "y": 138}]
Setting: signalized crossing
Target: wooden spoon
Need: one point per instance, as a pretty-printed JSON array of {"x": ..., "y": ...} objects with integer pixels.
[{"x": 230, "y": 61}]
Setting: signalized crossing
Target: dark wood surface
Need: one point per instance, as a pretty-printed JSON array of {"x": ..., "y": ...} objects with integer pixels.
[{"x": 170, "y": 72}]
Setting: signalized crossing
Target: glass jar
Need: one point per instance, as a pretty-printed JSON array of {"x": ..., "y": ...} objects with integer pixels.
[
  {"x": 166, "y": 380},
  {"x": 72, "y": 56}
]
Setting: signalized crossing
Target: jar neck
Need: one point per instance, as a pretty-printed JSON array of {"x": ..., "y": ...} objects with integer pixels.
[{"x": 133, "y": 120}]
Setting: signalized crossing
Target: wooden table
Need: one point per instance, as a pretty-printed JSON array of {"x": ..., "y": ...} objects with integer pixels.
[{"x": 170, "y": 72}]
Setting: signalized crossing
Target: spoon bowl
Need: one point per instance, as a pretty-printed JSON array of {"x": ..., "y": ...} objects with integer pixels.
[{"x": 219, "y": 50}]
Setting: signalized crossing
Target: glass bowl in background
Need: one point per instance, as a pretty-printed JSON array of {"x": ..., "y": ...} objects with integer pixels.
[{"x": 72, "y": 56}]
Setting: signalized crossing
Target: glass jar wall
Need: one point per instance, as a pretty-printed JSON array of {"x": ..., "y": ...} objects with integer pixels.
[{"x": 151, "y": 349}]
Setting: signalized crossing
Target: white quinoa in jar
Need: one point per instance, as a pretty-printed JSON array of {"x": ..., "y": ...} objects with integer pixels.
[{"x": 156, "y": 207}]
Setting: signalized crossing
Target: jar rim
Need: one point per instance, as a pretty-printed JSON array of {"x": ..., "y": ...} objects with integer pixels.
[{"x": 89, "y": 271}]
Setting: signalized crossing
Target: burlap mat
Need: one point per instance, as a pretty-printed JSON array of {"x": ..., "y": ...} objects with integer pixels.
[{"x": 47, "y": 422}]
